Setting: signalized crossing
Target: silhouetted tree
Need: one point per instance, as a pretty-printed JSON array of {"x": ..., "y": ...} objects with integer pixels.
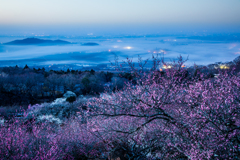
[
  {"x": 68, "y": 71},
  {"x": 92, "y": 71},
  {"x": 71, "y": 99},
  {"x": 26, "y": 67}
]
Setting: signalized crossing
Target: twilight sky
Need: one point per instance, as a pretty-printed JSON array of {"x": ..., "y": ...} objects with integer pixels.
[{"x": 128, "y": 14}]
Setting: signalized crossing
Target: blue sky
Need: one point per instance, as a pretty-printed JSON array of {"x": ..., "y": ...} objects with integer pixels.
[{"x": 91, "y": 15}]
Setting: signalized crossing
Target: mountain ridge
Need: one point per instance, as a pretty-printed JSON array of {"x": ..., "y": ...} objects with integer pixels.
[{"x": 37, "y": 41}]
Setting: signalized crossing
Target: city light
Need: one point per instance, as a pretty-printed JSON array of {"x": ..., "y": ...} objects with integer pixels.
[
  {"x": 163, "y": 51},
  {"x": 128, "y": 47},
  {"x": 224, "y": 67},
  {"x": 167, "y": 67}
]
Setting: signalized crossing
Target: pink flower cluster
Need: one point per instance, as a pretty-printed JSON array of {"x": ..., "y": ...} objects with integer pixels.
[{"x": 167, "y": 114}]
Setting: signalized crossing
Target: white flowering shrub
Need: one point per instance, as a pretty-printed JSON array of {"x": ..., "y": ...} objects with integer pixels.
[
  {"x": 34, "y": 107},
  {"x": 1, "y": 122},
  {"x": 49, "y": 118},
  {"x": 59, "y": 101}
]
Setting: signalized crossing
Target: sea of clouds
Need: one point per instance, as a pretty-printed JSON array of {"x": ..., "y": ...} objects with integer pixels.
[{"x": 201, "y": 50}]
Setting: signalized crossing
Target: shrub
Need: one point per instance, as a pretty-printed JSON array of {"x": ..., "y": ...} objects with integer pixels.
[
  {"x": 71, "y": 99},
  {"x": 163, "y": 116}
]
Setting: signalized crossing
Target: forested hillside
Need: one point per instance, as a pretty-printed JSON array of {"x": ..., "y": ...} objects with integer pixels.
[{"x": 171, "y": 112}]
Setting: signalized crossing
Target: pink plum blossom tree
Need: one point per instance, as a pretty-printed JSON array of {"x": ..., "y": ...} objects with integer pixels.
[{"x": 189, "y": 118}]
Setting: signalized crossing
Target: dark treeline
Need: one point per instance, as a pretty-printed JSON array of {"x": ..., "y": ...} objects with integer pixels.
[{"x": 23, "y": 86}]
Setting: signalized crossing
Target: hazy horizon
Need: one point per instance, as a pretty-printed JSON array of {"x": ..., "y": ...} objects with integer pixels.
[
  {"x": 72, "y": 17},
  {"x": 207, "y": 31}
]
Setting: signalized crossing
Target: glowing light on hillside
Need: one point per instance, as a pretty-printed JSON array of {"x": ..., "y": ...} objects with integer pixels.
[
  {"x": 163, "y": 51},
  {"x": 167, "y": 67},
  {"x": 128, "y": 47},
  {"x": 161, "y": 69},
  {"x": 224, "y": 67},
  {"x": 109, "y": 50},
  {"x": 183, "y": 66}
]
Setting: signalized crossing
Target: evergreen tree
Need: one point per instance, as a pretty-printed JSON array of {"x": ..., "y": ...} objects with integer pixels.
[
  {"x": 26, "y": 67},
  {"x": 73, "y": 71},
  {"x": 68, "y": 71},
  {"x": 92, "y": 71},
  {"x": 71, "y": 99}
]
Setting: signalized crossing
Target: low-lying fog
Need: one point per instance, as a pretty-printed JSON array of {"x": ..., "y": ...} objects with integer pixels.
[{"x": 201, "y": 50}]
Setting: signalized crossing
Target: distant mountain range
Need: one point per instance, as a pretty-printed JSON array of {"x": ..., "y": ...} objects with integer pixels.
[
  {"x": 90, "y": 44},
  {"x": 36, "y": 41}
]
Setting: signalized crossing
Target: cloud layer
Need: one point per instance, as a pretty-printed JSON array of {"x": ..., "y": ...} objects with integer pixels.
[{"x": 200, "y": 50}]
